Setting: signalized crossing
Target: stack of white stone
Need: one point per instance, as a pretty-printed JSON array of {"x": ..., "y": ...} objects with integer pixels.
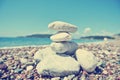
[
  {"x": 53, "y": 64},
  {"x": 62, "y": 39}
]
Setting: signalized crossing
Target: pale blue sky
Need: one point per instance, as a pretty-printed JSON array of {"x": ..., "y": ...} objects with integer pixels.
[{"x": 23, "y": 17}]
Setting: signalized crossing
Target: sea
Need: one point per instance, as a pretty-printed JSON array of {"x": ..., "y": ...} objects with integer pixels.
[{"x": 25, "y": 41}]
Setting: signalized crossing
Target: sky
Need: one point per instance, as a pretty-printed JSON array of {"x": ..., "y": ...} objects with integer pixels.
[{"x": 92, "y": 17}]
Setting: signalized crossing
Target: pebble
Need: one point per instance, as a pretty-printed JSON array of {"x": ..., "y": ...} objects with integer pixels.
[
  {"x": 30, "y": 63},
  {"x": 105, "y": 72},
  {"x": 18, "y": 70},
  {"x": 4, "y": 57},
  {"x": 23, "y": 60},
  {"x": 55, "y": 78},
  {"x": 29, "y": 68},
  {"x": 70, "y": 77},
  {"x": 1, "y": 73},
  {"x": 75, "y": 78},
  {"x": 103, "y": 65},
  {"x": 30, "y": 76},
  {"x": 3, "y": 66},
  {"x": 65, "y": 78}
]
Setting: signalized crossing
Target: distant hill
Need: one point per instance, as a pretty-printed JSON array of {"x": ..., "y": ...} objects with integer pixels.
[
  {"x": 48, "y": 36},
  {"x": 97, "y": 37},
  {"x": 39, "y": 35},
  {"x": 117, "y": 34}
]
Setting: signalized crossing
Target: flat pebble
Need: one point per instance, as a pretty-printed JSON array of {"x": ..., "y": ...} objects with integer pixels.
[
  {"x": 62, "y": 26},
  {"x": 61, "y": 36},
  {"x": 55, "y": 78},
  {"x": 29, "y": 68}
]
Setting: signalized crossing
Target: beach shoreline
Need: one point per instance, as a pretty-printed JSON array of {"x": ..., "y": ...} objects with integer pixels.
[{"x": 83, "y": 43}]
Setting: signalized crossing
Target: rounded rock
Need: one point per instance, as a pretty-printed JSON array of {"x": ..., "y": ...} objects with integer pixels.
[
  {"x": 64, "y": 47},
  {"x": 62, "y": 26},
  {"x": 61, "y": 36},
  {"x": 42, "y": 53},
  {"x": 55, "y": 78},
  {"x": 18, "y": 70},
  {"x": 3, "y": 66},
  {"x": 29, "y": 68},
  {"x": 23, "y": 60},
  {"x": 86, "y": 59},
  {"x": 55, "y": 65}
]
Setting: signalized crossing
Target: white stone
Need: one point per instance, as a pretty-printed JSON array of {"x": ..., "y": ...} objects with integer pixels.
[
  {"x": 70, "y": 77},
  {"x": 86, "y": 59},
  {"x": 105, "y": 39},
  {"x": 106, "y": 52},
  {"x": 23, "y": 60},
  {"x": 62, "y": 26},
  {"x": 56, "y": 65},
  {"x": 105, "y": 72},
  {"x": 41, "y": 53},
  {"x": 28, "y": 68},
  {"x": 55, "y": 78},
  {"x": 59, "y": 47},
  {"x": 65, "y": 78},
  {"x": 83, "y": 77},
  {"x": 62, "y": 47},
  {"x": 72, "y": 47},
  {"x": 61, "y": 36}
]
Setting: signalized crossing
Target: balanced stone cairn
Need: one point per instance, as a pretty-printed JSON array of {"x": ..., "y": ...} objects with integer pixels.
[
  {"x": 62, "y": 39},
  {"x": 55, "y": 59}
]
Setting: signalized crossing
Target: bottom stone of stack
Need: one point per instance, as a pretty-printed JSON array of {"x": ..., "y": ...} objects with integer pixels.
[{"x": 55, "y": 65}]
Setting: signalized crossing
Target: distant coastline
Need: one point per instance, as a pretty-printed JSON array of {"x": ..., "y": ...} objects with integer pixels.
[
  {"x": 36, "y": 36},
  {"x": 85, "y": 37},
  {"x": 97, "y": 37}
]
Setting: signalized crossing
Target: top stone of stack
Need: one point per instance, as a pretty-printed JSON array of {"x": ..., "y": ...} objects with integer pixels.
[{"x": 62, "y": 26}]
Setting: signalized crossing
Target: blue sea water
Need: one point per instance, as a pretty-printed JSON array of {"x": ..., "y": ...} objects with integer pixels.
[{"x": 20, "y": 41}]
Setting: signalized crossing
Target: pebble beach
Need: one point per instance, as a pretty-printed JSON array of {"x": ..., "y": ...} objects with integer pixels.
[
  {"x": 18, "y": 63},
  {"x": 59, "y": 40}
]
